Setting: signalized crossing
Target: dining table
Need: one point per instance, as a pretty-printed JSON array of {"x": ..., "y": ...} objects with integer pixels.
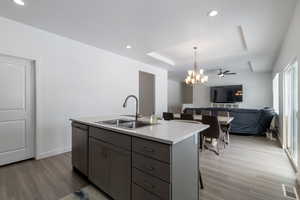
[{"x": 224, "y": 120}]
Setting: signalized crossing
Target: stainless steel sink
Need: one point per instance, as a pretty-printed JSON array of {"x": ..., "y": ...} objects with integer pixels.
[
  {"x": 134, "y": 124},
  {"x": 114, "y": 121},
  {"x": 125, "y": 123}
]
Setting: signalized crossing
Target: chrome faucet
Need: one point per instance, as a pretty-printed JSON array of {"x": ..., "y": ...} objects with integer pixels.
[{"x": 136, "y": 105}]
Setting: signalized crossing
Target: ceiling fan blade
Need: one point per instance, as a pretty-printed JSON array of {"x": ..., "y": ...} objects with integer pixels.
[
  {"x": 230, "y": 73},
  {"x": 211, "y": 70},
  {"x": 226, "y": 71}
]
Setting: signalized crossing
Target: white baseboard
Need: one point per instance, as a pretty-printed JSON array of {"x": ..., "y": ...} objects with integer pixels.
[
  {"x": 298, "y": 179},
  {"x": 280, "y": 142},
  {"x": 52, "y": 153}
]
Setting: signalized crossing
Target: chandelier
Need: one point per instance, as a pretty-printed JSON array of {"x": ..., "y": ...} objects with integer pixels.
[{"x": 195, "y": 76}]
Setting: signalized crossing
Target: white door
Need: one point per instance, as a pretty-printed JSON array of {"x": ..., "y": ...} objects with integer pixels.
[{"x": 16, "y": 110}]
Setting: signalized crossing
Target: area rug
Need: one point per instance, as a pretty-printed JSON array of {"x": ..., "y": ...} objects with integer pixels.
[{"x": 86, "y": 193}]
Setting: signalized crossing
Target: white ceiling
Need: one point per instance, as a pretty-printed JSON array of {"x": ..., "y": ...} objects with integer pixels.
[{"x": 244, "y": 31}]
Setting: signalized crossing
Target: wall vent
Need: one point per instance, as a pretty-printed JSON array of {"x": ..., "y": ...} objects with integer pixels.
[{"x": 290, "y": 192}]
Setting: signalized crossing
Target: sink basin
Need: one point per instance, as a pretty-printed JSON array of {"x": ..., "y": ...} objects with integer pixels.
[
  {"x": 134, "y": 124},
  {"x": 125, "y": 123},
  {"x": 115, "y": 121}
]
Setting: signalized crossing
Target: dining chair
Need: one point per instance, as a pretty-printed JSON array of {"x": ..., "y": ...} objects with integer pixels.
[
  {"x": 168, "y": 116},
  {"x": 185, "y": 116},
  {"x": 225, "y": 127},
  {"x": 206, "y": 113},
  {"x": 213, "y": 132},
  {"x": 223, "y": 113}
]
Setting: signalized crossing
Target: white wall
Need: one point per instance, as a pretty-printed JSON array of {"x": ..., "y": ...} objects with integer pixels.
[
  {"x": 174, "y": 94},
  {"x": 73, "y": 80},
  {"x": 289, "y": 52},
  {"x": 257, "y": 88}
]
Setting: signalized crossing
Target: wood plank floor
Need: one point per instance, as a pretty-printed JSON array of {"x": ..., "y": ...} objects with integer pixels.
[
  {"x": 252, "y": 168},
  {"x": 47, "y": 179}
]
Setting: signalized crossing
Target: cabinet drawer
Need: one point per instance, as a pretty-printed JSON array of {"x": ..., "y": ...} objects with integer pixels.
[
  {"x": 117, "y": 139},
  {"x": 156, "y": 168},
  {"x": 80, "y": 126},
  {"x": 152, "y": 184},
  {"x": 152, "y": 149},
  {"x": 139, "y": 193}
]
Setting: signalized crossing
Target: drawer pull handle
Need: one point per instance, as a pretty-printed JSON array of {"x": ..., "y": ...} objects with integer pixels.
[
  {"x": 146, "y": 183},
  {"x": 150, "y": 168},
  {"x": 148, "y": 149}
]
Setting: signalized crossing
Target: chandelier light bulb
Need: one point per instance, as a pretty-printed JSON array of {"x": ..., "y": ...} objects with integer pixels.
[
  {"x": 201, "y": 71},
  {"x": 206, "y": 78}
]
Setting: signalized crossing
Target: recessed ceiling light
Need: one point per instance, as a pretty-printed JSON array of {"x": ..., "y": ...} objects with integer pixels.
[
  {"x": 128, "y": 47},
  {"x": 19, "y": 2},
  {"x": 213, "y": 13}
]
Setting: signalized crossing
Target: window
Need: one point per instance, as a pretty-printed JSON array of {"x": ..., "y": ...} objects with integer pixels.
[
  {"x": 276, "y": 93},
  {"x": 290, "y": 110}
]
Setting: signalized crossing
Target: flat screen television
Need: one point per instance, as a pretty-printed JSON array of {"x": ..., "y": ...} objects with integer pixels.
[{"x": 226, "y": 94}]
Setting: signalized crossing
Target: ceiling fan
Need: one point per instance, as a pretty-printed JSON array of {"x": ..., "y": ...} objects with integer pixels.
[{"x": 222, "y": 73}]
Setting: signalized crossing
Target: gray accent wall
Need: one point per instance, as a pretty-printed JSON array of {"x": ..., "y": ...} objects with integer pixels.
[
  {"x": 178, "y": 93},
  {"x": 174, "y": 96},
  {"x": 187, "y": 93},
  {"x": 146, "y": 93}
]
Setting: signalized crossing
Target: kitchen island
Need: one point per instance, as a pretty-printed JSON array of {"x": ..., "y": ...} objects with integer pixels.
[{"x": 154, "y": 162}]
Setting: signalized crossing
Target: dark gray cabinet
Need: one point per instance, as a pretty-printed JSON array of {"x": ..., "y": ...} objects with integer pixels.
[
  {"x": 120, "y": 174},
  {"x": 132, "y": 168},
  {"x": 80, "y": 147},
  {"x": 139, "y": 193},
  {"x": 110, "y": 169},
  {"x": 99, "y": 164}
]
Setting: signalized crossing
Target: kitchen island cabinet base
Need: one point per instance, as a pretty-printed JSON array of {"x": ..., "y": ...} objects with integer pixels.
[{"x": 127, "y": 167}]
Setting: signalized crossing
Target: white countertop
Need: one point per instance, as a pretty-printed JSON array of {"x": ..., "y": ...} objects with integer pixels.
[{"x": 169, "y": 132}]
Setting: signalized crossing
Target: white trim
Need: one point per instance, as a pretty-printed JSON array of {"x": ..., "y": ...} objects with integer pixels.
[
  {"x": 53, "y": 153},
  {"x": 276, "y": 91},
  {"x": 280, "y": 142},
  {"x": 291, "y": 160},
  {"x": 298, "y": 179}
]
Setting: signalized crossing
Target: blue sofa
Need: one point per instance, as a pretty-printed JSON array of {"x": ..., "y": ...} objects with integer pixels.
[{"x": 246, "y": 121}]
